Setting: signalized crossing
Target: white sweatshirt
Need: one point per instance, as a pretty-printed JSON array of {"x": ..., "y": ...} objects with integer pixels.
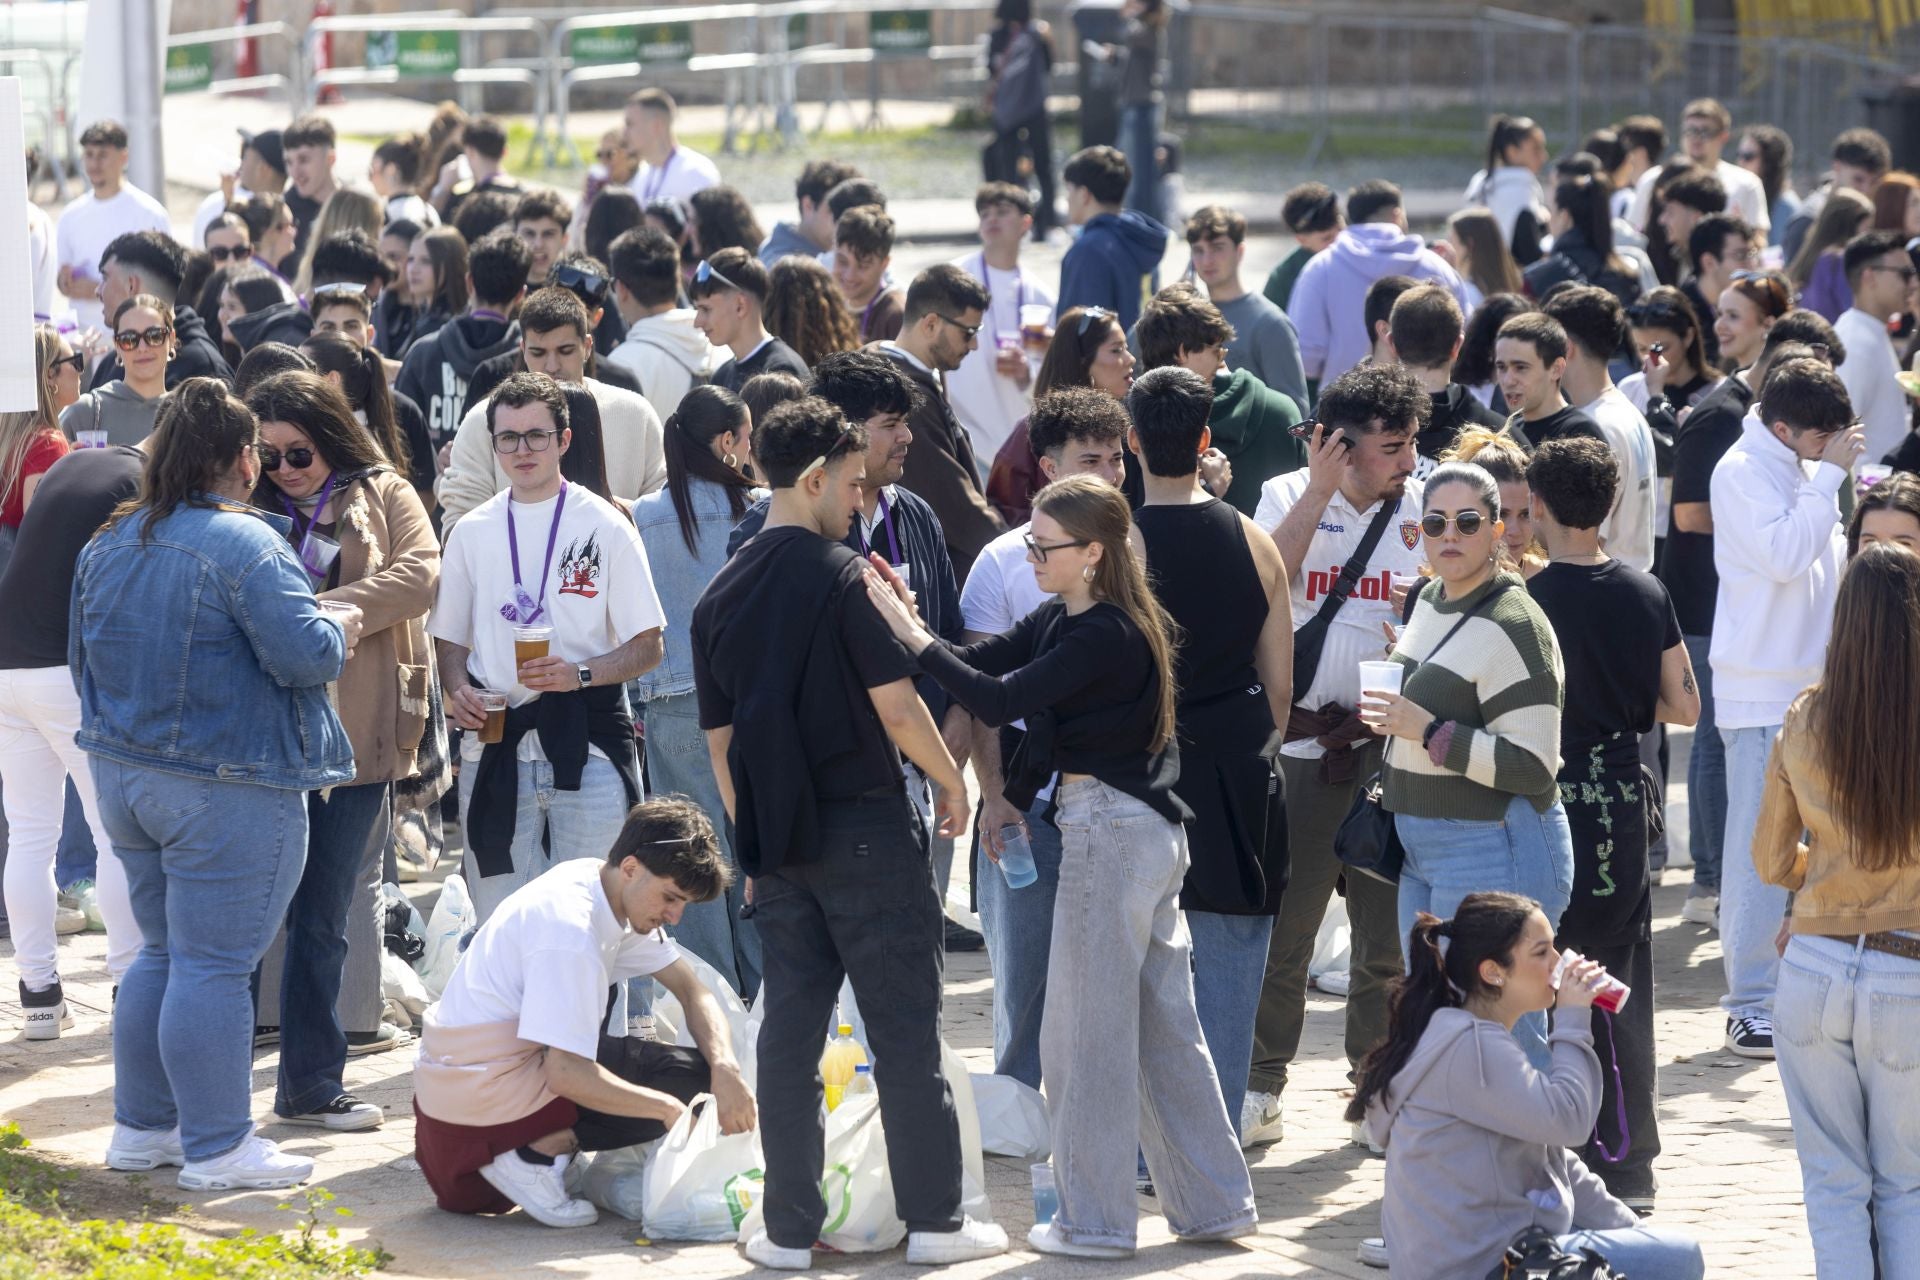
[
  {"x": 1779, "y": 549},
  {"x": 1871, "y": 374}
]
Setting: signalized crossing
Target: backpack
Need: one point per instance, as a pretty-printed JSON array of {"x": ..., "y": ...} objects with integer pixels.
[{"x": 1535, "y": 1254}]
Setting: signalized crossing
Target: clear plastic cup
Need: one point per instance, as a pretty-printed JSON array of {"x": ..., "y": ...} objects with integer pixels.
[
  {"x": 1046, "y": 1196},
  {"x": 530, "y": 642},
  {"x": 1380, "y": 677},
  {"x": 1016, "y": 857}
]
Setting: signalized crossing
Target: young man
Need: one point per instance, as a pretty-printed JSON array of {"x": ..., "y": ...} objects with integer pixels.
[
  {"x": 1248, "y": 421},
  {"x": 1686, "y": 199},
  {"x": 862, "y": 252},
  {"x": 664, "y": 350},
  {"x": 1330, "y": 296},
  {"x": 542, "y": 553},
  {"x": 944, "y": 311},
  {"x": 262, "y": 171},
  {"x": 1263, "y": 343},
  {"x": 437, "y": 366},
  {"x": 586, "y": 279},
  {"x": 540, "y": 221},
  {"x": 1074, "y": 431},
  {"x": 811, "y": 233},
  {"x": 555, "y": 341},
  {"x": 1719, "y": 245},
  {"x": 110, "y": 208},
  {"x": 808, "y": 704},
  {"x": 1378, "y": 314},
  {"x": 1595, "y": 325},
  {"x": 1424, "y": 332},
  {"x": 668, "y": 171},
  {"x": 350, "y": 257},
  {"x": 993, "y": 387},
  {"x": 1529, "y": 359},
  {"x": 1312, "y": 214},
  {"x": 1860, "y": 158},
  {"x": 483, "y": 144},
  {"x": 1643, "y": 140},
  {"x": 309, "y": 143},
  {"x": 1779, "y": 547},
  {"x": 729, "y": 294},
  {"x": 517, "y": 1075},
  {"x": 1356, "y": 493},
  {"x": 1880, "y": 274},
  {"x": 150, "y": 262},
  {"x": 1705, "y": 129},
  {"x": 343, "y": 310},
  {"x": 1115, "y": 262}
]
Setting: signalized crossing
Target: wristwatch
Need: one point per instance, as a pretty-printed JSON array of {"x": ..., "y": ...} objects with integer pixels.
[{"x": 586, "y": 674}]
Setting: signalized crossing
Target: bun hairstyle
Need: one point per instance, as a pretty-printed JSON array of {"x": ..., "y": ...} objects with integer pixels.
[{"x": 201, "y": 435}]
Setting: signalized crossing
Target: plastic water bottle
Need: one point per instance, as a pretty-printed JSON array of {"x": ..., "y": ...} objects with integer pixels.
[
  {"x": 862, "y": 1080},
  {"x": 1016, "y": 856},
  {"x": 1046, "y": 1196}
]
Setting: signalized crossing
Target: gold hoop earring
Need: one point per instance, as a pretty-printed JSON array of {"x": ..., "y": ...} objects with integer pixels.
[{"x": 1086, "y": 574}]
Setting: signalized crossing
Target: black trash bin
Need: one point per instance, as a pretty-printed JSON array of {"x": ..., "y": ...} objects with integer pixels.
[
  {"x": 1099, "y": 22},
  {"x": 1894, "y": 110}
]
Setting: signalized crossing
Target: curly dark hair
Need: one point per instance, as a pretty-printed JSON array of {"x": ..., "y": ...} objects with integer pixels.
[
  {"x": 1075, "y": 413},
  {"x": 1576, "y": 478},
  {"x": 1372, "y": 398}
]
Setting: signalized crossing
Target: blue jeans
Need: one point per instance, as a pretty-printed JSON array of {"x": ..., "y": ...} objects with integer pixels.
[
  {"x": 1750, "y": 912},
  {"x": 76, "y": 857},
  {"x": 1018, "y": 924},
  {"x": 1645, "y": 1253},
  {"x": 678, "y": 763},
  {"x": 1527, "y": 852},
  {"x": 1847, "y": 1032},
  {"x": 211, "y": 867},
  {"x": 1706, "y": 776},
  {"x": 1140, "y": 139},
  {"x": 1229, "y": 969}
]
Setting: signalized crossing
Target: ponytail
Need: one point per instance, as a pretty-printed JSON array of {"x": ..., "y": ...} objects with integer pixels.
[
  {"x": 1506, "y": 131},
  {"x": 705, "y": 413},
  {"x": 363, "y": 380}
]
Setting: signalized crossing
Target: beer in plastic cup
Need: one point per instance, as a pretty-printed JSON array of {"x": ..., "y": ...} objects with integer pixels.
[
  {"x": 495, "y": 707},
  {"x": 530, "y": 643},
  {"x": 1380, "y": 677},
  {"x": 91, "y": 439},
  {"x": 1036, "y": 319}
]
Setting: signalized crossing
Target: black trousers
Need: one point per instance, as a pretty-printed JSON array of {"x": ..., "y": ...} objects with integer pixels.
[
  {"x": 1001, "y": 162},
  {"x": 665, "y": 1067},
  {"x": 1626, "y": 1038},
  {"x": 863, "y": 909}
]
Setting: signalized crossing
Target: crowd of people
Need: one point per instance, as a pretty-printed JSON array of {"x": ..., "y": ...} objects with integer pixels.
[{"x": 1382, "y": 580}]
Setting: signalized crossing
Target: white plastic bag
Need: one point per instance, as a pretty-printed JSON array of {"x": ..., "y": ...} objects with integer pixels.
[
  {"x": 616, "y": 1180},
  {"x": 452, "y": 918},
  {"x": 973, "y": 1172},
  {"x": 400, "y": 984},
  {"x": 666, "y": 1006},
  {"x": 1332, "y": 946},
  {"x": 856, "y": 1184},
  {"x": 684, "y": 1189},
  {"x": 1013, "y": 1118}
]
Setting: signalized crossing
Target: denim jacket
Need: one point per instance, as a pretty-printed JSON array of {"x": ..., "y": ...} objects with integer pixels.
[
  {"x": 680, "y": 576},
  {"x": 202, "y": 652}
]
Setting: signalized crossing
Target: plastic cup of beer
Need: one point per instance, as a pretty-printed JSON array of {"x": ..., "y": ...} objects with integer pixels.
[
  {"x": 1036, "y": 320},
  {"x": 530, "y": 643},
  {"x": 494, "y": 706},
  {"x": 1379, "y": 677}
]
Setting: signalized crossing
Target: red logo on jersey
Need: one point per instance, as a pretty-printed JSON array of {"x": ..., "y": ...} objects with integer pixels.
[
  {"x": 580, "y": 569},
  {"x": 1377, "y": 587},
  {"x": 1410, "y": 533}
]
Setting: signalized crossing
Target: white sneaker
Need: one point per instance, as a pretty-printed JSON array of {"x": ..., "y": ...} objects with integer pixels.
[
  {"x": 46, "y": 1022},
  {"x": 138, "y": 1150},
  {"x": 540, "y": 1189},
  {"x": 68, "y": 920},
  {"x": 1701, "y": 907},
  {"x": 1361, "y": 1139},
  {"x": 640, "y": 1027},
  {"x": 1373, "y": 1251},
  {"x": 1334, "y": 982},
  {"x": 780, "y": 1258},
  {"x": 972, "y": 1240},
  {"x": 1260, "y": 1122},
  {"x": 256, "y": 1164},
  {"x": 1044, "y": 1238}
]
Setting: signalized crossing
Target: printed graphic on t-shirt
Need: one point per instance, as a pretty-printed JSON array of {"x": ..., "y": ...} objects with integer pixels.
[{"x": 580, "y": 565}]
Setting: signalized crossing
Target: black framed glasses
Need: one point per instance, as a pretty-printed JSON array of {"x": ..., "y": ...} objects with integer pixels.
[
  {"x": 971, "y": 330},
  {"x": 589, "y": 286},
  {"x": 840, "y": 442},
  {"x": 1038, "y": 550},
  {"x": 78, "y": 360},
  {"x": 1434, "y": 524},
  {"x": 153, "y": 335},
  {"x": 271, "y": 458},
  {"x": 537, "y": 441},
  {"x": 230, "y": 252},
  {"x": 705, "y": 272},
  {"x": 1088, "y": 315}
]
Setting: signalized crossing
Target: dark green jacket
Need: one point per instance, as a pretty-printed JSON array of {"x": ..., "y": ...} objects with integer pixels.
[{"x": 1251, "y": 424}]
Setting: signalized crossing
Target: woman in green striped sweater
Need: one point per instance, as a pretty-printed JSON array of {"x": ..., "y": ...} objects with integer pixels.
[{"x": 1475, "y": 729}]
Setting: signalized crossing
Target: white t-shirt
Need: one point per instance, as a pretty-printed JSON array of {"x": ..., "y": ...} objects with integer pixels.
[
  {"x": 1870, "y": 373},
  {"x": 212, "y": 207},
  {"x": 88, "y": 225},
  {"x": 1355, "y": 635},
  {"x": 43, "y": 268},
  {"x": 685, "y": 172},
  {"x": 1000, "y": 588},
  {"x": 1745, "y": 196},
  {"x": 987, "y": 404},
  {"x": 1627, "y": 531},
  {"x": 560, "y": 932}
]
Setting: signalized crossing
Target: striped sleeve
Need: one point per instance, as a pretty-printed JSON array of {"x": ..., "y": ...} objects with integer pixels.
[{"x": 1519, "y": 684}]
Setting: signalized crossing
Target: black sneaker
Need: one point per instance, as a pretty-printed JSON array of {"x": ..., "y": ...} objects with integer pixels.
[
  {"x": 961, "y": 938},
  {"x": 1751, "y": 1036},
  {"x": 265, "y": 1037},
  {"x": 344, "y": 1114}
]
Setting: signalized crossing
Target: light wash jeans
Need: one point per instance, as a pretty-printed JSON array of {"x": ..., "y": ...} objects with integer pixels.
[
  {"x": 1018, "y": 924},
  {"x": 39, "y": 714},
  {"x": 1706, "y": 776},
  {"x": 1750, "y": 911},
  {"x": 678, "y": 763},
  {"x": 1847, "y": 1032},
  {"x": 1527, "y": 852},
  {"x": 1645, "y": 1253},
  {"x": 1140, "y": 140},
  {"x": 211, "y": 867},
  {"x": 1229, "y": 970},
  {"x": 1125, "y": 1063}
]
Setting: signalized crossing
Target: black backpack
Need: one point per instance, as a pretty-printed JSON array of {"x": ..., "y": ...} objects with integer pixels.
[{"x": 1535, "y": 1254}]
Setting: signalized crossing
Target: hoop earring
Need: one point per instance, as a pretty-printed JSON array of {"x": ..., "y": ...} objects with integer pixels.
[
  {"x": 1086, "y": 574},
  {"x": 732, "y": 461}
]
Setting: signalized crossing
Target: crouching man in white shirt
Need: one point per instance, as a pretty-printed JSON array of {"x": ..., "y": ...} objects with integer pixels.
[{"x": 517, "y": 1074}]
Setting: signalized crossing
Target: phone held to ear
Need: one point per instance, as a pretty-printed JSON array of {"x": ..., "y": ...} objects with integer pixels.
[{"x": 1305, "y": 430}]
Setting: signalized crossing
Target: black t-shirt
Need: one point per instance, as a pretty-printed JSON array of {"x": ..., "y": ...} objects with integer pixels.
[
  {"x": 1614, "y": 623},
  {"x": 304, "y": 212},
  {"x": 1705, "y": 311},
  {"x": 412, "y": 421},
  {"x": 1563, "y": 423},
  {"x": 1686, "y": 565},
  {"x": 774, "y": 357},
  {"x": 75, "y": 497}
]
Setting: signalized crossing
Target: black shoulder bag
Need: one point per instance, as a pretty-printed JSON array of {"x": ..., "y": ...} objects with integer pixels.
[
  {"x": 1311, "y": 638},
  {"x": 1535, "y": 1254}
]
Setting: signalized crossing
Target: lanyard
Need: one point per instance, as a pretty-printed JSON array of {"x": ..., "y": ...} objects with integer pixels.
[
  {"x": 1019, "y": 287},
  {"x": 657, "y": 181},
  {"x": 539, "y": 606},
  {"x": 480, "y": 313},
  {"x": 893, "y": 541},
  {"x": 305, "y": 535},
  {"x": 867, "y": 313}
]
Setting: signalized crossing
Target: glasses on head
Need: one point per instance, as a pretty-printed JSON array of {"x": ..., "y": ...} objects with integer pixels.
[
  {"x": 1434, "y": 524},
  {"x": 1038, "y": 550},
  {"x": 589, "y": 286},
  {"x": 339, "y": 289},
  {"x": 840, "y": 442},
  {"x": 271, "y": 458},
  {"x": 537, "y": 441},
  {"x": 1821, "y": 351},
  {"x": 971, "y": 330},
  {"x": 153, "y": 336},
  {"x": 78, "y": 360},
  {"x": 230, "y": 252},
  {"x": 1087, "y": 316},
  {"x": 705, "y": 272},
  {"x": 1659, "y": 315}
]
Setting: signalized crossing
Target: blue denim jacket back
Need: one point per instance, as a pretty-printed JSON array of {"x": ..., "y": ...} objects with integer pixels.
[
  {"x": 679, "y": 575},
  {"x": 202, "y": 651}
]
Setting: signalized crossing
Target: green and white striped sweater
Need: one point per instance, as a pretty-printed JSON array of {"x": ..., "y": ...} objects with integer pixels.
[{"x": 1501, "y": 681}]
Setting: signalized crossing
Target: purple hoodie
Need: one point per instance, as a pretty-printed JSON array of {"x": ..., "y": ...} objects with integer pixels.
[{"x": 1329, "y": 301}]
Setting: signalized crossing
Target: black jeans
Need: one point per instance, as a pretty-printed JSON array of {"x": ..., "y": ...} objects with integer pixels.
[
  {"x": 1626, "y": 1038},
  {"x": 863, "y": 909},
  {"x": 665, "y": 1067},
  {"x": 1001, "y": 163}
]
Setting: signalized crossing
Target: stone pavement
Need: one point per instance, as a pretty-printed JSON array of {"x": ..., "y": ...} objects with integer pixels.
[{"x": 1727, "y": 1173}]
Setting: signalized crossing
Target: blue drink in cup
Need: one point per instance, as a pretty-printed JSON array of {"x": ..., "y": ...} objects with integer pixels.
[
  {"x": 1046, "y": 1197},
  {"x": 1016, "y": 857}
]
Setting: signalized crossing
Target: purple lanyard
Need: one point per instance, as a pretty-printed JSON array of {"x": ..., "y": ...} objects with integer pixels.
[
  {"x": 867, "y": 313},
  {"x": 657, "y": 182},
  {"x": 1619, "y": 1099},
  {"x": 513, "y": 545},
  {"x": 893, "y": 543},
  {"x": 480, "y": 313},
  {"x": 1019, "y": 288},
  {"x": 293, "y": 513}
]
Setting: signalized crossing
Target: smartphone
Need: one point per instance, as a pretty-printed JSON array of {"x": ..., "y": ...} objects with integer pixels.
[{"x": 1304, "y": 431}]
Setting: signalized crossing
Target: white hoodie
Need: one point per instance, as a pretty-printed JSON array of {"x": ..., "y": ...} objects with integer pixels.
[
  {"x": 666, "y": 353},
  {"x": 1779, "y": 549},
  {"x": 1507, "y": 191}
]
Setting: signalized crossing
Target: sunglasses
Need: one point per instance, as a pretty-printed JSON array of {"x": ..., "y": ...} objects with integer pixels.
[
  {"x": 230, "y": 253},
  {"x": 78, "y": 360},
  {"x": 705, "y": 272},
  {"x": 589, "y": 286},
  {"x": 971, "y": 330},
  {"x": 537, "y": 441},
  {"x": 340, "y": 289},
  {"x": 1087, "y": 316},
  {"x": 1434, "y": 524},
  {"x": 840, "y": 442},
  {"x": 1659, "y": 315},
  {"x": 271, "y": 458},
  {"x": 1038, "y": 550},
  {"x": 155, "y": 336}
]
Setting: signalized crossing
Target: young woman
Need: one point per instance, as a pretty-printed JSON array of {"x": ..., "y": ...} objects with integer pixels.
[
  {"x": 393, "y": 310},
  {"x": 1092, "y": 674},
  {"x": 1817, "y": 271},
  {"x": 1744, "y": 315},
  {"x": 359, "y": 374},
  {"x": 1674, "y": 376},
  {"x": 1477, "y": 1136},
  {"x": 1020, "y": 66},
  {"x": 1888, "y": 512},
  {"x": 1089, "y": 349},
  {"x": 1583, "y": 251},
  {"x": 1896, "y": 203},
  {"x": 613, "y": 213},
  {"x": 274, "y": 230},
  {"x": 1767, "y": 153},
  {"x": 126, "y": 408},
  {"x": 1840, "y": 826},
  {"x": 1509, "y": 184},
  {"x": 187, "y": 605},
  {"x": 1473, "y": 789},
  {"x": 394, "y": 172},
  {"x": 345, "y": 210},
  {"x": 1481, "y": 255},
  {"x": 436, "y": 279},
  {"x": 684, "y": 529},
  {"x": 364, "y": 539},
  {"x": 1503, "y": 459},
  {"x": 805, "y": 310},
  {"x": 1473, "y": 367},
  {"x": 30, "y": 441}
]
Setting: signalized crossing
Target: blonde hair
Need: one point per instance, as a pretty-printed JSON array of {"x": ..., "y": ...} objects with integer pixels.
[
  {"x": 1091, "y": 510},
  {"x": 345, "y": 210},
  {"x": 18, "y": 429}
]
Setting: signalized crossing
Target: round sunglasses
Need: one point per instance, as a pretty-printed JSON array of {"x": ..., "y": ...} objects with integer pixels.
[{"x": 1434, "y": 523}]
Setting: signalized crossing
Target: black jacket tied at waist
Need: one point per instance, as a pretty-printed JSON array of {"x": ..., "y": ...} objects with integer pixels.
[{"x": 567, "y": 724}]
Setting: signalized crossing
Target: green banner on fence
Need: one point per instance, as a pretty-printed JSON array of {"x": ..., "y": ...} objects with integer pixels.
[
  {"x": 665, "y": 41},
  {"x": 415, "y": 53},
  {"x": 900, "y": 30},
  {"x": 599, "y": 45},
  {"x": 189, "y": 67}
]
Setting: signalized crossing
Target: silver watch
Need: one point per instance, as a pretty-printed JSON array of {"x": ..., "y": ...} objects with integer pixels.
[{"x": 586, "y": 674}]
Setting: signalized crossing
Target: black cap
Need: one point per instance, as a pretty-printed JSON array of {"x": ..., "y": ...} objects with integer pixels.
[{"x": 268, "y": 144}]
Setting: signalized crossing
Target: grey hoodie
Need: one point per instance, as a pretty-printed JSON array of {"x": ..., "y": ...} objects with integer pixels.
[
  {"x": 125, "y": 415},
  {"x": 1477, "y": 1146}
]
